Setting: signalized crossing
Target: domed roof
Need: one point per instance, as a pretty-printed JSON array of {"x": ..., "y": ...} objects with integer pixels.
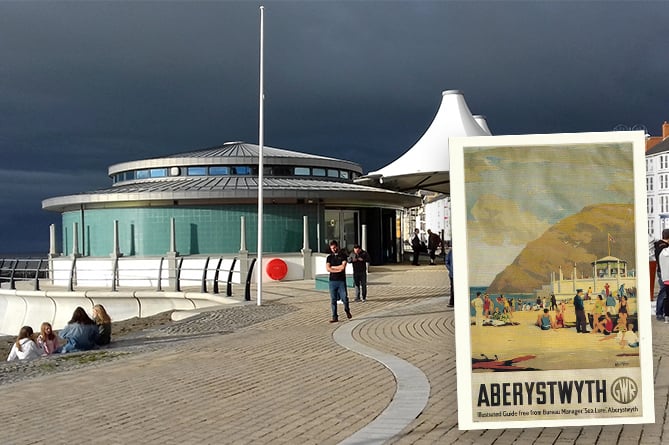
[{"x": 236, "y": 153}]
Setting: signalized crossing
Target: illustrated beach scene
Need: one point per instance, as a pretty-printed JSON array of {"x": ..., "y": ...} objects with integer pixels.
[{"x": 532, "y": 249}]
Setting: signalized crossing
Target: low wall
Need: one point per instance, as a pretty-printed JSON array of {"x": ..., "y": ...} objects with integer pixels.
[{"x": 21, "y": 307}]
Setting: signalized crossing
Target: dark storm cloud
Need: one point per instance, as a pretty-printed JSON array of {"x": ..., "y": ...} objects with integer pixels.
[{"x": 84, "y": 85}]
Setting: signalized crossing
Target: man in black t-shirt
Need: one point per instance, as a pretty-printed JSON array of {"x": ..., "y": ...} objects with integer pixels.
[{"x": 335, "y": 263}]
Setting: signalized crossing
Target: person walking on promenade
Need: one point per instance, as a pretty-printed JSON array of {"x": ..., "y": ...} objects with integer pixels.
[
  {"x": 579, "y": 308},
  {"x": 359, "y": 259},
  {"x": 553, "y": 303},
  {"x": 662, "y": 293},
  {"x": 433, "y": 243},
  {"x": 416, "y": 246},
  {"x": 335, "y": 263},
  {"x": 449, "y": 265},
  {"x": 24, "y": 348}
]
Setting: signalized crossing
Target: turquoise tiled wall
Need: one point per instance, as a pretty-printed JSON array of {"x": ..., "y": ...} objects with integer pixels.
[{"x": 199, "y": 230}]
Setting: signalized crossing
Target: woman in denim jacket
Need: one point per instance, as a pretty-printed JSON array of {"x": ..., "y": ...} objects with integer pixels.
[{"x": 80, "y": 333}]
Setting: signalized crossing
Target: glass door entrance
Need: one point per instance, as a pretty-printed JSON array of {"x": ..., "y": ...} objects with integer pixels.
[{"x": 342, "y": 226}]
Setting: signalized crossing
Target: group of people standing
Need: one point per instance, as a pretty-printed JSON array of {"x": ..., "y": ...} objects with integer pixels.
[
  {"x": 434, "y": 243},
  {"x": 601, "y": 318},
  {"x": 80, "y": 334},
  {"x": 335, "y": 264},
  {"x": 418, "y": 246}
]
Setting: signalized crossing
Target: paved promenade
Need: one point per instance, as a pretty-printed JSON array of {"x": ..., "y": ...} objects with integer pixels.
[{"x": 282, "y": 374}]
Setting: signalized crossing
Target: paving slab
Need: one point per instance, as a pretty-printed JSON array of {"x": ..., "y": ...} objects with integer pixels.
[{"x": 278, "y": 374}]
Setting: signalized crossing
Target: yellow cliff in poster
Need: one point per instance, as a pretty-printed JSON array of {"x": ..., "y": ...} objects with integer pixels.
[{"x": 551, "y": 275}]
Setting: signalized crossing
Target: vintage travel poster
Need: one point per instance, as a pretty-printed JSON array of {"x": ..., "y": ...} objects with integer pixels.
[{"x": 552, "y": 294}]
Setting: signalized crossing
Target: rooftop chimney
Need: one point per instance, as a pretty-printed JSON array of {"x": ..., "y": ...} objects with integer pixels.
[{"x": 665, "y": 130}]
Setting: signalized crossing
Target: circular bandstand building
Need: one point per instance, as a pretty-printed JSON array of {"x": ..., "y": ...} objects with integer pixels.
[
  {"x": 170, "y": 230},
  {"x": 205, "y": 202}
]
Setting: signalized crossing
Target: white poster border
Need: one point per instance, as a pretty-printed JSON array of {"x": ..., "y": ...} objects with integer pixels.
[{"x": 457, "y": 146}]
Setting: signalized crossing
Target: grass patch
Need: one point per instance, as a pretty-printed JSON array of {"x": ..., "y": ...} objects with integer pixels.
[
  {"x": 48, "y": 367},
  {"x": 89, "y": 357}
]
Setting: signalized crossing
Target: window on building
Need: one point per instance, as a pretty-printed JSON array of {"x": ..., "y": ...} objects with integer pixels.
[
  {"x": 282, "y": 170},
  {"x": 318, "y": 171},
  {"x": 142, "y": 174},
  {"x": 333, "y": 173},
  {"x": 343, "y": 174},
  {"x": 241, "y": 170},
  {"x": 219, "y": 171},
  {"x": 196, "y": 171},
  {"x": 649, "y": 205},
  {"x": 158, "y": 172},
  {"x": 302, "y": 171}
]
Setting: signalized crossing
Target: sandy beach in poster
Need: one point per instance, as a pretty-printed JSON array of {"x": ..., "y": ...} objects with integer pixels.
[{"x": 554, "y": 349}]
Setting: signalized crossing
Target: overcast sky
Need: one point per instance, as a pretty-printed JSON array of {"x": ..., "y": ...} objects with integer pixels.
[{"x": 84, "y": 85}]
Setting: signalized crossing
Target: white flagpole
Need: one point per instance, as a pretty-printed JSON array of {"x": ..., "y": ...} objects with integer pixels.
[{"x": 261, "y": 142}]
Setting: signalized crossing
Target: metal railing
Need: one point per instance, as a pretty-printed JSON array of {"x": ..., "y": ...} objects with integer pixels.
[
  {"x": 79, "y": 274},
  {"x": 23, "y": 269}
]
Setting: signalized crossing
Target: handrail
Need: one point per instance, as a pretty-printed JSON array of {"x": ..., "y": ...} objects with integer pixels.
[
  {"x": 160, "y": 274},
  {"x": 39, "y": 267},
  {"x": 247, "y": 290},
  {"x": 22, "y": 269},
  {"x": 218, "y": 268},
  {"x": 203, "y": 286},
  {"x": 228, "y": 291},
  {"x": 177, "y": 284},
  {"x": 73, "y": 273}
]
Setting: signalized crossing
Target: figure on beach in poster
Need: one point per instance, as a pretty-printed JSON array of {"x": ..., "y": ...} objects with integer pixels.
[
  {"x": 579, "y": 309},
  {"x": 545, "y": 320},
  {"x": 477, "y": 304}
]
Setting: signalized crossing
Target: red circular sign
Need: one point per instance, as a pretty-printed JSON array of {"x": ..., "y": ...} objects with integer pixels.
[{"x": 277, "y": 269}]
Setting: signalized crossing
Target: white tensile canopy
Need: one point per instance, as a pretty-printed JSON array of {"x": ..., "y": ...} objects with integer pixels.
[{"x": 426, "y": 165}]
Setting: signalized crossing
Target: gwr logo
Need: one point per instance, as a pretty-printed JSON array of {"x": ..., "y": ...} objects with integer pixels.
[{"x": 624, "y": 390}]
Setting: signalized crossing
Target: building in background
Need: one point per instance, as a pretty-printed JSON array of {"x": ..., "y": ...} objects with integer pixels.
[
  {"x": 657, "y": 183},
  {"x": 206, "y": 193}
]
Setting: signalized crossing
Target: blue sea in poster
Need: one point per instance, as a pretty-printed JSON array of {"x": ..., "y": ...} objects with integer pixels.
[{"x": 518, "y": 299}]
